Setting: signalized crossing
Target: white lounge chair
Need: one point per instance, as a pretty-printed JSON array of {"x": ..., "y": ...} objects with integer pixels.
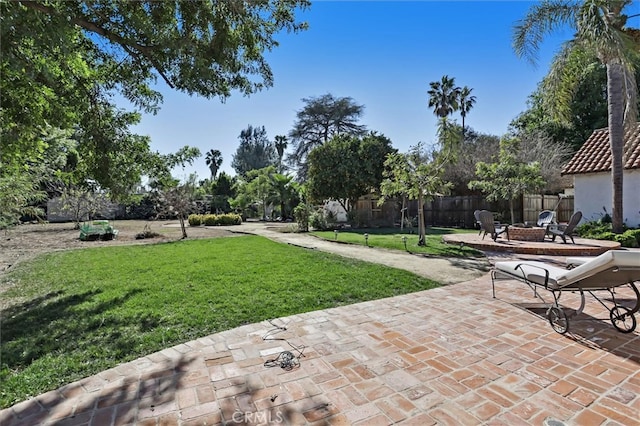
[{"x": 612, "y": 269}]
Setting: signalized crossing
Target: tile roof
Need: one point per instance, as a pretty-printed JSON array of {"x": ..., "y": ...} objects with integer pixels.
[{"x": 595, "y": 154}]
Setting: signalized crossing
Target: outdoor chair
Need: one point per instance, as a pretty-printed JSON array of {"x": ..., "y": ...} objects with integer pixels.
[
  {"x": 545, "y": 218},
  {"x": 604, "y": 273},
  {"x": 488, "y": 225},
  {"x": 476, "y": 215},
  {"x": 564, "y": 231}
]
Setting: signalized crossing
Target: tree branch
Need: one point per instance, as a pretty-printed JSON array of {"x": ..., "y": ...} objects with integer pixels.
[{"x": 130, "y": 47}]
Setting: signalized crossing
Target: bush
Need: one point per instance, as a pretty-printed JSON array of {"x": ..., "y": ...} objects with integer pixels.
[
  {"x": 318, "y": 221},
  {"x": 629, "y": 238},
  {"x": 195, "y": 219},
  {"x": 301, "y": 213},
  {"x": 230, "y": 219},
  {"x": 601, "y": 230},
  {"x": 221, "y": 219},
  {"x": 635, "y": 233}
]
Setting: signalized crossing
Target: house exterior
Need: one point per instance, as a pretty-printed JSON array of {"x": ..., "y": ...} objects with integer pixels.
[{"x": 591, "y": 171}]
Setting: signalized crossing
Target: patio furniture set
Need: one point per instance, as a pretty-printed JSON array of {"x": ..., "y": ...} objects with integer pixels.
[{"x": 545, "y": 227}]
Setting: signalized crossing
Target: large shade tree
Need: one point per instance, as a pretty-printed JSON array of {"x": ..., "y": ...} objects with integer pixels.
[
  {"x": 255, "y": 151},
  {"x": 601, "y": 33},
  {"x": 347, "y": 167},
  {"x": 63, "y": 63},
  {"x": 320, "y": 120}
]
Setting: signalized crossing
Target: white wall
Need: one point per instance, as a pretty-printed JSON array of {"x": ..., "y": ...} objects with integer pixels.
[
  {"x": 593, "y": 191},
  {"x": 335, "y": 207}
]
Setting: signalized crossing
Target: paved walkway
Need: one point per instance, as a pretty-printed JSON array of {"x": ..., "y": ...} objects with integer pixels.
[{"x": 450, "y": 356}]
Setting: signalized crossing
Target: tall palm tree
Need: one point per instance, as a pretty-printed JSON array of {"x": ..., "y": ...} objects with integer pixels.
[
  {"x": 465, "y": 102},
  {"x": 281, "y": 145},
  {"x": 443, "y": 96},
  {"x": 599, "y": 32},
  {"x": 213, "y": 159}
]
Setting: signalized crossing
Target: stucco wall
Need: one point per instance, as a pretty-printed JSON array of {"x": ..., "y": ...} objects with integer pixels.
[{"x": 593, "y": 192}]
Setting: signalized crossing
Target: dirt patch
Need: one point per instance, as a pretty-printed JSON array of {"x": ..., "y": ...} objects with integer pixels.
[{"x": 26, "y": 241}]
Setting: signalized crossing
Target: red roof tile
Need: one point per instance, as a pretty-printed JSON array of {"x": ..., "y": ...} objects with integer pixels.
[{"x": 595, "y": 154}]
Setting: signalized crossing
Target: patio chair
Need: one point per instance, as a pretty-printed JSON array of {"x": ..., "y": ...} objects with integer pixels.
[
  {"x": 545, "y": 218},
  {"x": 476, "y": 215},
  {"x": 604, "y": 273},
  {"x": 564, "y": 231},
  {"x": 488, "y": 225}
]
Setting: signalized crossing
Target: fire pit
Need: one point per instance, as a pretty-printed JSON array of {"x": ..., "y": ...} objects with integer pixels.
[{"x": 522, "y": 233}]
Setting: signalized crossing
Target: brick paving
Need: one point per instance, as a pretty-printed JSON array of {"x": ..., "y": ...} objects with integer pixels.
[{"x": 447, "y": 356}]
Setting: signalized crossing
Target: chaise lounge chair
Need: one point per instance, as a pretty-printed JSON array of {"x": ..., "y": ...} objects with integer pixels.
[
  {"x": 612, "y": 269},
  {"x": 488, "y": 225},
  {"x": 564, "y": 231}
]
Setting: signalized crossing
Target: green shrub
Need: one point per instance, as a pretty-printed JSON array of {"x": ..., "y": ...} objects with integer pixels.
[
  {"x": 635, "y": 233},
  {"x": 629, "y": 238},
  {"x": 301, "y": 213},
  {"x": 229, "y": 219},
  {"x": 318, "y": 221},
  {"x": 195, "y": 219},
  {"x": 222, "y": 219},
  {"x": 608, "y": 235},
  {"x": 210, "y": 220}
]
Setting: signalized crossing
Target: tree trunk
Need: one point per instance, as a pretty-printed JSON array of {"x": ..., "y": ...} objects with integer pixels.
[
  {"x": 615, "y": 105},
  {"x": 422, "y": 241},
  {"x": 513, "y": 220},
  {"x": 182, "y": 226}
]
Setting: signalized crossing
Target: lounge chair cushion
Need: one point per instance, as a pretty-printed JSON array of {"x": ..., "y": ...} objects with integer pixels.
[{"x": 613, "y": 268}]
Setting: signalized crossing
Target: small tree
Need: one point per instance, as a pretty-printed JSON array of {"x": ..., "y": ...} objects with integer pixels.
[
  {"x": 416, "y": 175},
  {"x": 508, "y": 178},
  {"x": 177, "y": 201},
  {"x": 82, "y": 203}
]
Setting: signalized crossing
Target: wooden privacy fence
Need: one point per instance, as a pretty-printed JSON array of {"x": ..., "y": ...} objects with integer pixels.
[{"x": 457, "y": 211}]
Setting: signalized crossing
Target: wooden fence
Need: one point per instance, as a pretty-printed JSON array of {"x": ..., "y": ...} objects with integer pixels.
[{"x": 457, "y": 211}]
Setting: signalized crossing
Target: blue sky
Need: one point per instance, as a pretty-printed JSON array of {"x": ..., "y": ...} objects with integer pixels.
[{"x": 383, "y": 54}]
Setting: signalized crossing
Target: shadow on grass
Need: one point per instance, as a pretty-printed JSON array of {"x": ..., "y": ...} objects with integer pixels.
[{"x": 57, "y": 324}]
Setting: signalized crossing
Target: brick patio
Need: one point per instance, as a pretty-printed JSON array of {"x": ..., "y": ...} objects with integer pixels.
[{"x": 448, "y": 356}]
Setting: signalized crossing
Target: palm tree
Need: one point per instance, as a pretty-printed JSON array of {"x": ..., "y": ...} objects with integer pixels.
[
  {"x": 281, "y": 145},
  {"x": 214, "y": 161},
  {"x": 465, "y": 103},
  {"x": 284, "y": 190},
  {"x": 599, "y": 32},
  {"x": 443, "y": 96}
]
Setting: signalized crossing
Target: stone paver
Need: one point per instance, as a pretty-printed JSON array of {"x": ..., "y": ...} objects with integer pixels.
[{"x": 448, "y": 356}]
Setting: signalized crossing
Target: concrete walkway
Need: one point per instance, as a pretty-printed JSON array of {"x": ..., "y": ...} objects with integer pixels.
[{"x": 449, "y": 356}]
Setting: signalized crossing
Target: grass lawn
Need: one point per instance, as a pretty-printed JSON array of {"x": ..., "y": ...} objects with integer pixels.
[
  {"x": 68, "y": 315},
  {"x": 391, "y": 238}
]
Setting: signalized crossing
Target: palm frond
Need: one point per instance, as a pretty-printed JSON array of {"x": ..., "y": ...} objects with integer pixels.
[
  {"x": 542, "y": 19},
  {"x": 564, "y": 77}
]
